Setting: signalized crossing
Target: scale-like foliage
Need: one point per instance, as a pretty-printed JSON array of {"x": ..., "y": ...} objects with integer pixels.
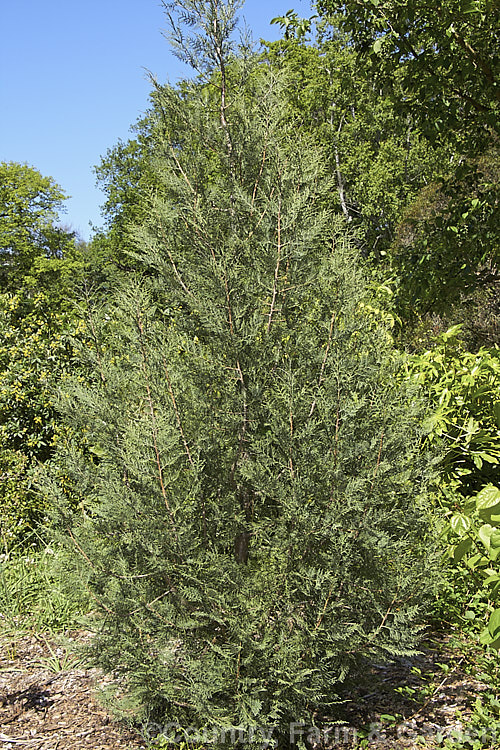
[{"x": 252, "y": 524}]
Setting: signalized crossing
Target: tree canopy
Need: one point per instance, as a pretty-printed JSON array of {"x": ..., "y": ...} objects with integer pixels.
[
  {"x": 446, "y": 56},
  {"x": 30, "y": 232}
]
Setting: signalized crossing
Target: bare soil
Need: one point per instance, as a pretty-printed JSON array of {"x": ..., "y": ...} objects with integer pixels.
[{"x": 48, "y": 700}]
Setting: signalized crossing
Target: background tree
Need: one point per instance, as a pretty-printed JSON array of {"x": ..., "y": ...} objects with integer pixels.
[
  {"x": 448, "y": 60},
  {"x": 29, "y": 223},
  {"x": 40, "y": 261},
  {"x": 440, "y": 67},
  {"x": 378, "y": 159},
  {"x": 127, "y": 178}
]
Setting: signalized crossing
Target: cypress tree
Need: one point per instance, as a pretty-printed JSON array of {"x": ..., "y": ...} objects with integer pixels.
[{"x": 251, "y": 523}]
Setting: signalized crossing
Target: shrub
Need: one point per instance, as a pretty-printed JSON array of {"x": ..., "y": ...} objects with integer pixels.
[
  {"x": 464, "y": 388},
  {"x": 252, "y": 523}
]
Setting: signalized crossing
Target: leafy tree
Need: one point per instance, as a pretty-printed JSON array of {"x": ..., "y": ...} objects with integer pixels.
[
  {"x": 447, "y": 58},
  {"x": 439, "y": 67},
  {"x": 29, "y": 229},
  {"x": 445, "y": 252},
  {"x": 127, "y": 178},
  {"x": 40, "y": 261},
  {"x": 378, "y": 158},
  {"x": 251, "y": 522}
]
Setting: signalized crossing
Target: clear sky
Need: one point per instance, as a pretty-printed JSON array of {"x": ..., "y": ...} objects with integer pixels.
[{"x": 73, "y": 80}]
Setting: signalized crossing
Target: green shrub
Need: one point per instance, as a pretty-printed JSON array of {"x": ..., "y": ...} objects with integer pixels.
[
  {"x": 464, "y": 389},
  {"x": 252, "y": 520},
  {"x": 35, "y": 354}
]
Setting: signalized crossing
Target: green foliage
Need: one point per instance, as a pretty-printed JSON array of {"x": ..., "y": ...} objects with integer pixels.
[
  {"x": 437, "y": 72},
  {"x": 293, "y": 26},
  {"x": 447, "y": 60},
  {"x": 127, "y": 178},
  {"x": 32, "y": 596},
  {"x": 29, "y": 231},
  {"x": 481, "y": 730},
  {"x": 482, "y": 727},
  {"x": 252, "y": 519},
  {"x": 465, "y": 392},
  {"x": 40, "y": 265},
  {"x": 35, "y": 352},
  {"x": 446, "y": 249},
  {"x": 379, "y": 158}
]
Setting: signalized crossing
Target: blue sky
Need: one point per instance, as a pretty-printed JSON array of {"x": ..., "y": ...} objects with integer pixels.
[{"x": 73, "y": 80}]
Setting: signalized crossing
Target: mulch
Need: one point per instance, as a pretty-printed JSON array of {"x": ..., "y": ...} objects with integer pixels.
[
  {"x": 43, "y": 709},
  {"x": 48, "y": 700}
]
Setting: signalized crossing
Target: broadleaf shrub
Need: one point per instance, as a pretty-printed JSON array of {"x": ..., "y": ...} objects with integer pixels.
[
  {"x": 464, "y": 389},
  {"x": 36, "y": 353}
]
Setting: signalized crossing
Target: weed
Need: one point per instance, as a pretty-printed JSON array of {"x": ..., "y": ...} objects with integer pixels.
[{"x": 59, "y": 660}]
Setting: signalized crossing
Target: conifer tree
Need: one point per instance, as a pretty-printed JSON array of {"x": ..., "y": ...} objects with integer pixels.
[{"x": 251, "y": 522}]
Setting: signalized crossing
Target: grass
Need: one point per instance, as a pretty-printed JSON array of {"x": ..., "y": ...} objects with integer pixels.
[
  {"x": 32, "y": 594},
  {"x": 59, "y": 659}
]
